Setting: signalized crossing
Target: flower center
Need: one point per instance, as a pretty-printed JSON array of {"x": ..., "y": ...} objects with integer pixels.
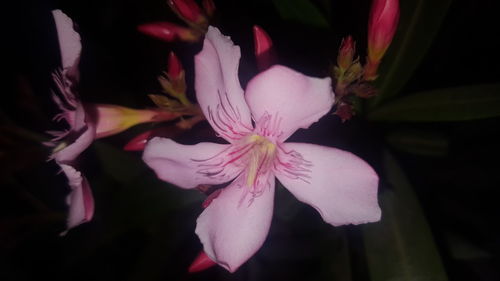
[{"x": 259, "y": 160}]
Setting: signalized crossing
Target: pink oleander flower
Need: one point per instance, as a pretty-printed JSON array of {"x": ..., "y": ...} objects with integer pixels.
[
  {"x": 384, "y": 17},
  {"x": 234, "y": 225},
  {"x": 81, "y": 133}
]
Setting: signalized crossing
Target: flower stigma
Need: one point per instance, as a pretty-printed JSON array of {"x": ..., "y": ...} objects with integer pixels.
[{"x": 260, "y": 160}]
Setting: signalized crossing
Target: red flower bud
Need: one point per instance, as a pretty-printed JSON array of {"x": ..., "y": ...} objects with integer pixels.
[
  {"x": 346, "y": 53},
  {"x": 187, "y": 9},
  {"x": 201, "y": 263},
  {"x": 263, "y": 48},
  {"x": 209, "y": 7},
  {"x": 168, "y": 31},
  {"x": 345, "y": 111},
  {"x": 174, "y": 67},
  {"x": 384, "y": 17},
  {"x": 139, "y": 142}
]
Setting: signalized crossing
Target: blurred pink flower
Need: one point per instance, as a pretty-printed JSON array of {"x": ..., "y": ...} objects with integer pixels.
[
  {"x": 234, "y": 225},
  {"x": 81, "y": 133}
]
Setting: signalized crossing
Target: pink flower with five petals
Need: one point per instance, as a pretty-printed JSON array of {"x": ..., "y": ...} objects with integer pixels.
[{"x": 339, "y": 185}]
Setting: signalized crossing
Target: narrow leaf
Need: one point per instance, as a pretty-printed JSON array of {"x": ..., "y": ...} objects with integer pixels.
[
  {"x": 450, "y": 104},
  {"x": 117, "y": 164},
  {"x": 419, "y": 142},
  {"x": 302, "y": 11},
  {"x": 400, "y": 246}
]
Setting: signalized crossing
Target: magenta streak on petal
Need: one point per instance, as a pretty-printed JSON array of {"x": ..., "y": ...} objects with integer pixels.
[
  {"x": 215, "y": 165},
  {"x": 293, "y": 166},
  {"x": 210, "y": 198},
  {"x": 269, "y": 126},
  {"x": 65, "y": 85},
  {"x": 227, "y": 121}
]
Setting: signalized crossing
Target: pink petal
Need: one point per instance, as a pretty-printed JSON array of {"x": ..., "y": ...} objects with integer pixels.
[
  {"x": 69, "y": 40},
  {"x": 68, "y": 154},
  {"x": 218, "y": 89},
  {"x": 233, "y": 227},
  {"x": 341, "y": 186},
  {"x": 80, "y": 199},
  {"x": 188, "y": 166},
  {"x": 295, "y": 100}
]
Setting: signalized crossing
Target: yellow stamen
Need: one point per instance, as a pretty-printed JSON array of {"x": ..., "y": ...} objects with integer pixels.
[{"x": 261, "y": 157}]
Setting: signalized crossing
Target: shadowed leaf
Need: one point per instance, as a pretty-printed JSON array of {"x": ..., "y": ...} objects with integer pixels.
[
  {"x": 450, "y": 104},
  {"x": 302, "y": 11},
  {"x": 419, "y": 142},
  {"x": 400, "y": 246}
]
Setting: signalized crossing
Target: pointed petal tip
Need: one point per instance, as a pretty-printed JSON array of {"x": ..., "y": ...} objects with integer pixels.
[{"x": 200, "y": 263}]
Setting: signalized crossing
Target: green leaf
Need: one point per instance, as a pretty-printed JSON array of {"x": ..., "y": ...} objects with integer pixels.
[
  {"x": 118, "y": 164},
  {"x": 401, "y": 246},
  {"x": 462, "y": 248},
  {"x": 450, "y": 104},
  {"x": 302, "y": 11},
  {"x": 419, "y": 22},
  {"x": 419, "y": 142},
  {"x": 142, "y": 195}
]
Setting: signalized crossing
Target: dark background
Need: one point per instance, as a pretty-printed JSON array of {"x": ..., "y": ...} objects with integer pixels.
[{"x": 144, "y": 229}]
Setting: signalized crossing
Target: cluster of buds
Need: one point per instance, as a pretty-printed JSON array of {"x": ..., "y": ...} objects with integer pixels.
[
  {"x": 352, "y": 79},
  {"x": 173, "y": 101},
  {"x": 196, "y": 18}
]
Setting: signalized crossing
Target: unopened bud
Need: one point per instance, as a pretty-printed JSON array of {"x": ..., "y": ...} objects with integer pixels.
[
  {"x": 169, "y": 32},
  {"x": 175, "y": 69},
  {"x": 187, "y": 10},
  {"x": 384, "y": 17},
  {"x": 263, "y": 48},
  {"x": 139, "y": 142},
  {"x": 346, "y": 53},
  {"x": 209, "y": 7},
  {"x": 200, "y": 263},
  {"x": 345, "y": 111}
]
